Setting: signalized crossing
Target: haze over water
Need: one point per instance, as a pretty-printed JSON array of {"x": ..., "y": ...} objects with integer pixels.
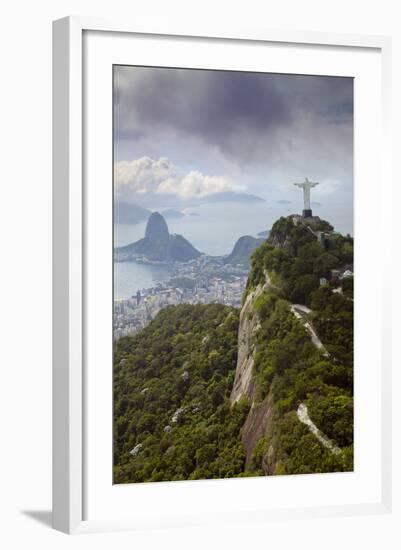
[{"x": 213, "y": 232}]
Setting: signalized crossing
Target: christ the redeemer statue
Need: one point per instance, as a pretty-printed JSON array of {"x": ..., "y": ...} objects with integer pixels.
[{"x": 306, "y": 186}]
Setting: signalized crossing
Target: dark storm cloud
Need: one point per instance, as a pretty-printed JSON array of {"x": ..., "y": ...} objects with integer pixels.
[
  {"x": 210, "y": 105},
  {"x": 247, "y": 116}
]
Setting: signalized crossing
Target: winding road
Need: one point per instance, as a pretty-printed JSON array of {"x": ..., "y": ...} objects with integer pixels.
[
  {"x": 303, "y": 416},
  {"x": 300, "y": 311}
]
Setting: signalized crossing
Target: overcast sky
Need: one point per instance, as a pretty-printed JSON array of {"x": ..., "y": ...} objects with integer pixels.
[{"x": 188, "y": 133}]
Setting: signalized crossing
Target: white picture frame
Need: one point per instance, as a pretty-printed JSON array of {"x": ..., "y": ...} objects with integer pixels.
[{"x": 70, "y": 258}]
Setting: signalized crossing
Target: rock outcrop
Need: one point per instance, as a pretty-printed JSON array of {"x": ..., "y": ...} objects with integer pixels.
[
  {"x": 259, "y": 420},
  {"x": 242, "y": 250},
  {"x": 158, "y": 244},
  {"x": 248, "y": 327},
  {"x": 259, "y": 424}
]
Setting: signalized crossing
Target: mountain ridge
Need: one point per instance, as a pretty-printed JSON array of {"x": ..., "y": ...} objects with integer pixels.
[
  {"x": 158, "y": 245},
  {"x": 283, "y": 366},
  {"x": 242, "y": 250},
  {"x": 275, "y": 376}
]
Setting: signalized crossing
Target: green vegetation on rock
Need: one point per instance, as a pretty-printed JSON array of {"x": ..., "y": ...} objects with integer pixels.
[
  {"x": 294, "y": 256},
  {"x": 288, "y": 364},
  {"x": 173, "y": 419}
]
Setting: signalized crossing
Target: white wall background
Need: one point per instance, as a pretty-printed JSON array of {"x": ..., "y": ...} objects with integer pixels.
[{"x": 25, "y": 217}]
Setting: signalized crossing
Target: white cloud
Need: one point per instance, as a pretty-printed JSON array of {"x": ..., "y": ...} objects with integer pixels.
[
  {"x": 161, "y": 177},
  {"x": 143, "y": 175}
]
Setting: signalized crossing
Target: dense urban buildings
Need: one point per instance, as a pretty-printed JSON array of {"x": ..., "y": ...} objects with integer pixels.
[{"x": 205, "y": 280}]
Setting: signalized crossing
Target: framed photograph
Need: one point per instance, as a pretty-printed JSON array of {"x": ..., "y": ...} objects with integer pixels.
[{"x": 220, "y": 333}]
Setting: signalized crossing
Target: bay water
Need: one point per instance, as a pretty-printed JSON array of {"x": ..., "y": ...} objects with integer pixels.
[{"x": 213, "y": 230}]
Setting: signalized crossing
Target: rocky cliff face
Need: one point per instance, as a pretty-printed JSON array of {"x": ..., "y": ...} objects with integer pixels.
[
  {"x": 282, "y": 365},
  {"x": 259, "y": 420},
  {"x": 248, "y": 327},
  {"x": 156, "y": 229}
]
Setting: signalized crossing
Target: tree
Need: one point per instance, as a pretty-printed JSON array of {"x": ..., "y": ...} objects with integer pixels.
[
  {"x": 304, "y": 286},
  {"x": 324, "y": 263}
]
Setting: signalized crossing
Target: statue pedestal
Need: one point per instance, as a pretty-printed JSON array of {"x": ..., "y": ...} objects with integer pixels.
[{"x": 306, "y": 213}]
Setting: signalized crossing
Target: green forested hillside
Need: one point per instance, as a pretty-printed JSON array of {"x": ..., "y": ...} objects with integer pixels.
[
  {"x": 173, "y": 419},
  {"x": 171, "y": 386},
  {"x": 288, "y": 364},
  {"x": 298, "y": 261}
]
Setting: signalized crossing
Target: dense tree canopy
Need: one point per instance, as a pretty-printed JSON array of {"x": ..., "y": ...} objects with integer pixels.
[
  {"x": 288, "y": 365},
  {"x": 298, "y": 261},
  {"x": 172, "y": 381},
  {"x": 172, "y": 384}
]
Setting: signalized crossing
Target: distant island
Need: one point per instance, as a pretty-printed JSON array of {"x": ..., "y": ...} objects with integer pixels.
[
  {"x": 172, "y": 213},
  {"x": 150, "y": 200},
  {"x": 131, "y": 214},
  {"x": 158, "y": 245},
  {"x": 230, "y": 196}
]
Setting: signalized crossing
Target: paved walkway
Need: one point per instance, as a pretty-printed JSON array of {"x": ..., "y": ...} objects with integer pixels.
[
  {"x": 300, "y": 311},
  {"x": 303, "y": 416}
]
